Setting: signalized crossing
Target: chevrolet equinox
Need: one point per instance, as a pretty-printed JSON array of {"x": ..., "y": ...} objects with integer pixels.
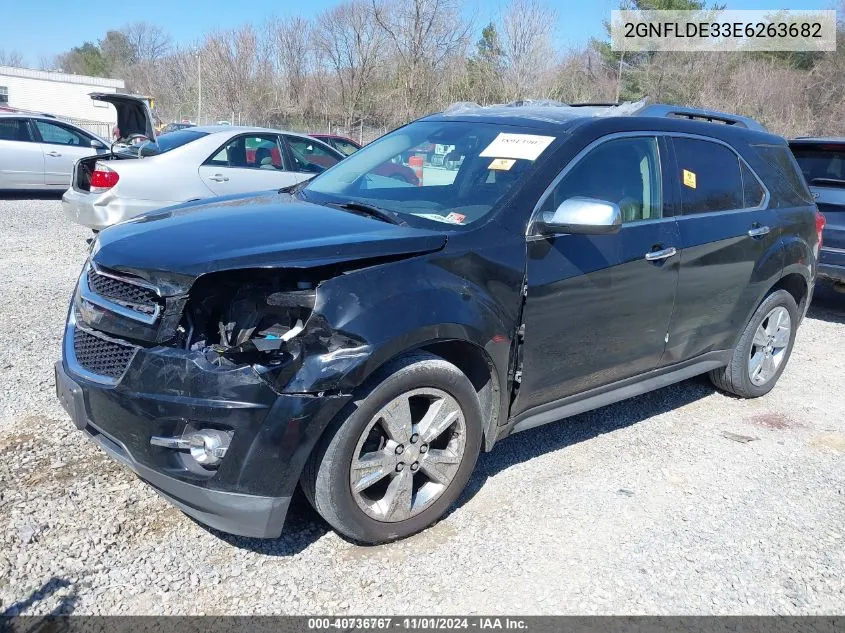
[{"x": 366, "y": 338}]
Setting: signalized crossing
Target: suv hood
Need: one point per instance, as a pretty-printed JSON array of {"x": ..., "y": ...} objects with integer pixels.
[
  {"x": 174, "y": 246},
  {"x": 133, "y": 113}
]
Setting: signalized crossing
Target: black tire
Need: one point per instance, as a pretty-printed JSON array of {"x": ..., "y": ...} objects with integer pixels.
[
  {"x": 735, "y": 377},
  {"x": 326, "y": 477}
]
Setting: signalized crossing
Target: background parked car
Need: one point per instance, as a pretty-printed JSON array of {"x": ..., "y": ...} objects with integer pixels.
[
  {"x": 191, "y": 164},
  {"x": 38, "y": 151},
  {"x": 342, "y": 143},
  {"x": 172, "y": 127},
  {"x": 822, "y": 161},
  {"x": 395, "y": 170}
]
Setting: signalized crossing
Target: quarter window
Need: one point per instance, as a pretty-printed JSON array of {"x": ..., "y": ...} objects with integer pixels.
[
  {"x": 4, "y": 94},
  {"x": 623, "y": 171},
  {"x": 752, "y": 191},
  {"x": 710, "y": 177}
]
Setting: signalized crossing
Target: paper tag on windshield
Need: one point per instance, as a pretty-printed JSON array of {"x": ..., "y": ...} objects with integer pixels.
[
  {"x": 502, "y": 164},
  {"x": 527, "y": 146},
  {"x": 456, "y": 218}
]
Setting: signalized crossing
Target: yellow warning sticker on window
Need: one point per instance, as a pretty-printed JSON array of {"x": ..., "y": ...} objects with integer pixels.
[
  {"x": 689, "y": 179},
  {"x": 502, "y": 164}
]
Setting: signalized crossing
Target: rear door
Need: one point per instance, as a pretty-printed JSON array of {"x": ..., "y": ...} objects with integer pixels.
[
  {"x": 21, "y": 158},
  {"x": 62, "y": 146},
  {"x": 728, "y": 241},
  {"x": 823, "y": 167},
  {"x": 247, "y": 162}
]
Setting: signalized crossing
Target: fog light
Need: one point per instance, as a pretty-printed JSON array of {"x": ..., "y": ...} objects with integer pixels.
[{"x": 207, "y": 446}]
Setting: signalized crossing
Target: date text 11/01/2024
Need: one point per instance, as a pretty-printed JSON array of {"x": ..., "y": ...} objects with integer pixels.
[{"x": 417, "y": 623}]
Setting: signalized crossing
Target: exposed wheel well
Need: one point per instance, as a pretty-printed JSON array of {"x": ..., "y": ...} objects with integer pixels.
[
  {"x": 476, "y": 365},
  {"x": 795, "y": 285}
]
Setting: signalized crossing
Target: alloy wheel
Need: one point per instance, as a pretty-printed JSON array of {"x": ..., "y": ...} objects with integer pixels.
[
  {"x": 768, "y": 347},
  {"x": 408, "y": 454}
]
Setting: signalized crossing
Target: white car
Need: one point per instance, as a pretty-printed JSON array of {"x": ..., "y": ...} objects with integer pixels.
[
  {"x": 190, "y": 164},
  {"x": 38, "y": 151}
]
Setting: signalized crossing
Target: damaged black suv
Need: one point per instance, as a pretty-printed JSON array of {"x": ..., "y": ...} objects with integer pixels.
[{"x": 366, "y": 337}]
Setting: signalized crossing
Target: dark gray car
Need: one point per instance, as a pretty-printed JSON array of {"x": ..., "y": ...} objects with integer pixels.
[{"x": 822, "y": 161}]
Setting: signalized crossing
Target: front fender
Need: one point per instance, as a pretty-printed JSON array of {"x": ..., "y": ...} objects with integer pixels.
[{"x": 378, "y": 313}]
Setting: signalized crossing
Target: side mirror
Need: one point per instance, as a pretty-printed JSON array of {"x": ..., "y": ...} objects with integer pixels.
[
  {"x": 95, "y": 144},
  {"x": 582, "y": 215}
]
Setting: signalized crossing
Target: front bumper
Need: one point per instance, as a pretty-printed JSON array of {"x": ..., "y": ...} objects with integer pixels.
[
  {"x": 832, "y": 264},
  {"x": 98, "y": 211},
  {"x": 273, "y": 434}
]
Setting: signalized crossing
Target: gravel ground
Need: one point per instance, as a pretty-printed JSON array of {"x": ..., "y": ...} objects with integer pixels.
[{"x": 640, "y": 507}]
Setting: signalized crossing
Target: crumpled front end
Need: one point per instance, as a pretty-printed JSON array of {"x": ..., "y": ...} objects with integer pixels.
[{"x": 190, "y": 385}]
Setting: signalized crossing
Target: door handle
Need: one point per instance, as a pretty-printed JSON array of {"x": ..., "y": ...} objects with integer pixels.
[
  {"x": 218, "y": 178},
  {"x": 53, "y": 153},
  {"x": 664, "y": 253},
  {"x": 758, "y": 231}
]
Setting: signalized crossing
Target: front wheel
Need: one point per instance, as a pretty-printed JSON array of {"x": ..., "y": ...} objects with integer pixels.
[
  {"x": 398, "y": 457},
  {"x": 760, "y": 356}
]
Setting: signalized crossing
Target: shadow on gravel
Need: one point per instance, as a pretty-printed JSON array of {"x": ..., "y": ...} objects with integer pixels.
[
  {"x": 31, "y": 195},
  {"x": 524, "y": 446},
  {"x": 66, "y": 605},
  {"x": 303, "y": 526},
  {"x": 828, "y": 304}
]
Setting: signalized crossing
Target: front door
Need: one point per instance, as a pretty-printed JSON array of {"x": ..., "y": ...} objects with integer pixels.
[
  {"x": 249, "y": 162},
  {"x": 21, "y": 158},
  {"x": 597, "y": 309},
  {"x": 62, "y": 147}
]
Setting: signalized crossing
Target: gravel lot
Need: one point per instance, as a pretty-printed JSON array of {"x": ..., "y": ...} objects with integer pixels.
[{"x": 640, "y": 507}]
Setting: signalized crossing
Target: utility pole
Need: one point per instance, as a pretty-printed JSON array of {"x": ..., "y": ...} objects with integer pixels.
[{"x": 199, "y": 88}]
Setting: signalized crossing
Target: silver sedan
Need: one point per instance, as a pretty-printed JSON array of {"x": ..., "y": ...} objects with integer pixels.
[
  {"x": 190, "y": 164},
  {"x": 37, "y": 152}
]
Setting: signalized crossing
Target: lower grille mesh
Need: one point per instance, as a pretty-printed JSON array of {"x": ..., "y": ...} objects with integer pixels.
[{"x": 100, "y": 356}]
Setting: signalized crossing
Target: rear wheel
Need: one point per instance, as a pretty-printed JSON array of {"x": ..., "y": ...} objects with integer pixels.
[
  {"x": 397, "y": 458},
  {"x": 763, "y": 349}
]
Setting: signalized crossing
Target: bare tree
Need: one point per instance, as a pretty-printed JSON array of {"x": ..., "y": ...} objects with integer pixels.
[
  {"x": 292, "y": 39},
  {"x": 149, "y": 42},
  {"x": 349, "y": 41},
  {"x": 10, "y": 58},
  {"x": 527, "y": 27},
  {"x": 424, "y": 35}
]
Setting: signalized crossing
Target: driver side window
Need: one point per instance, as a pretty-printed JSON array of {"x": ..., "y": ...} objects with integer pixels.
[
  {"x": 309, "y": 156},
  {"x": 624, "y": 171}
]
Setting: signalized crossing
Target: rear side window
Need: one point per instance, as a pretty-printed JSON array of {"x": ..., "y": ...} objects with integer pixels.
[
  {"x": 786, "y": 183},
  {"x": 710, "y": 177},
  {"x": 14, "y": 130}
]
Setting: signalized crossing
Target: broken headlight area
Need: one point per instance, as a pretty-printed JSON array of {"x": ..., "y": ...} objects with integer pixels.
[{"x": 246, "y": 319}]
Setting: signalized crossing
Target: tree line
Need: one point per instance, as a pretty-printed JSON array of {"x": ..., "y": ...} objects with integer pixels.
[{"x": 380, "y": 63}]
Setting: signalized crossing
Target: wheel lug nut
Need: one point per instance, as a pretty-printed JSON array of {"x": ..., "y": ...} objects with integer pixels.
[
  {"x": 400, "y": 449},
  {"x": 415, "y": 466},
  {"x": 423, "y": 448},
  {"x": 414, "y": 438},
  {"x": 400, "y": 467}
]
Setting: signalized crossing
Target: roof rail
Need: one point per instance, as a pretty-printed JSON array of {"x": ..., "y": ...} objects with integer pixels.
[{"x": 683, "y": 112}]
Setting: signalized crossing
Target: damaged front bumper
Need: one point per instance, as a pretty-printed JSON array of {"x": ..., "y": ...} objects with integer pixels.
[{"x": 167, "y": 392}]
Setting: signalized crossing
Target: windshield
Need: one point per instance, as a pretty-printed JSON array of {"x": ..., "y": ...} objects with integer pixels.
[
  {"x": 445, "y": 171},
  {"x": 171, "y": 140},
  {"x": 824, "y": 165}
]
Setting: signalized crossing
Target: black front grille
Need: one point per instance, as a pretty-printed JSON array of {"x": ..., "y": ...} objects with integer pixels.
[
  {"x": 99, "y": 356},
  {"x": 138, "y": 298}
]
